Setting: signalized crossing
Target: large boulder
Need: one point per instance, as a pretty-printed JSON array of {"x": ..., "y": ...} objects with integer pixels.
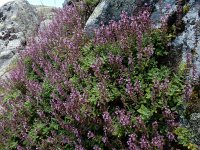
[
  {"x": 18, "y": 21},
  {"x": 108, "y": 10},
  {"x": 19, "y": 15}
]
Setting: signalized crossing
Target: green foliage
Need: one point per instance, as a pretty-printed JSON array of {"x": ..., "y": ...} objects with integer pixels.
[
  {"x": 145, "y": 113},
  {"x": 13, "y": 94},
  {"x": 91, "y": 2},
  {"x": 186, "y": 8},
  {"x": 160, "y": 40},
  {"x": 184, "y": 138}
]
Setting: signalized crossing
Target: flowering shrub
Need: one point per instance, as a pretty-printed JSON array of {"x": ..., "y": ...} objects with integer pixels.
[{"x": 71, "y": 92}]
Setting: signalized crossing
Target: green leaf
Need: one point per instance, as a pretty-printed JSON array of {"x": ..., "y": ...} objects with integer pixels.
[
  {"x": 145, "y": 112},
  {"x": 94, "y": 95}
]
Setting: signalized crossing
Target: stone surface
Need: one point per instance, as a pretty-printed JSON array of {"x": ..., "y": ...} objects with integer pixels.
[
  {"x": 194, "y": 125},
  {"x": 18, "y": 21},
  {"x": 189, "y": 39},
  {"x": 20, "y": 16},
  {"x": 44, "y": 12},
  {"x": 66, "y": 2},
  {"x": 168, "y": 7},
  {"x": 44, "y": 24},
  {"x": 108, "y": 10}
]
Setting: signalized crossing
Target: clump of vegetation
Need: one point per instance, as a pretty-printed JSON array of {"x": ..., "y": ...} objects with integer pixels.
[{"x": 109, "y": 92}]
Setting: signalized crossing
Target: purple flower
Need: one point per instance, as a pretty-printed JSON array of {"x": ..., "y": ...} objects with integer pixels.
[
  {"x": 106, "y": 117},
  {"x": 96, "y": 66},
  {"x": 172, "y": 123},
  {"x": 148, "y": 51},
  {"x": 20, "y": 147},
  {"x": 165, "y": 85},
  {"x": 187, "y": 90},
  {"x": 167, "y": 112},
  {"x": 155, "y": 125},
  {"x": 170, "y": 136},
  {"x": 124, "y": 118},
  {"x": 131, "y": 141},
  {"x": 104, "y": 139},
  {"x": 79, "y": 147},
  {"x": 188, "y": 59},
  {"x": 168, "y": 6},
  {"x": 120, "y": 80},
  {"x": 96, "y": 148},
  {"x": 137, "y": 88},
  {"x": 144, "y": 143},
  {"x": 90, "y": 135},
  {"x": 129, "y": 88},
  {"x": 158, "y": 142},
  {"x": 194, "y": 72}
]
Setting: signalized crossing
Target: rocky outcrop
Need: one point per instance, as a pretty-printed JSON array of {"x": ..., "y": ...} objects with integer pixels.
[
  {"x": 194, "y": 125},
  {"x": 20, "y": 16},
  {"x": 189, "y": 39},
  {"x": 108, "y": 10},
  {"x": 18, "y": 20}
]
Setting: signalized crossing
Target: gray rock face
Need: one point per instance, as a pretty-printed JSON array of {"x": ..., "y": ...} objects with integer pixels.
[
  {"x": 167, "y": 7},
  {"x": 18, "y": 20},
  {"x": 108, "y": 10},
  {"x": 44, "y": 12},
  {"x": 44, "y": 24},
  {"x": 195, "y": 126},
  {"x": 18, "y": 15},
  {"x": 69, "y": 2},
  {"x": 66, "y": 2},
  {"x": 189, "y": 39}
]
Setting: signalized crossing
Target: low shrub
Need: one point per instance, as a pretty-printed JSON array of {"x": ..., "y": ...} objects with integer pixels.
[{"x": 109, "y": 92}]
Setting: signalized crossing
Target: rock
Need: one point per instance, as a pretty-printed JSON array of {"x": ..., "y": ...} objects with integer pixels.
[
  {"x": 189, "y": 39},
  {"x": 167, "y": 7},
  {"x": 6, "y": 55},
  {"x": 45, "y": 12},
  {"x": 20, "y": 15},
  {"x": 44, "y": 24},
  {"x": 195, "y": 127},
  {"x": 18, "y": 21},
  {"x": 66, "y": 3},
  {"x": 69, "y": 2},
  {"x": 108, "y": 10},
  {"x": 12, "y": 36}
]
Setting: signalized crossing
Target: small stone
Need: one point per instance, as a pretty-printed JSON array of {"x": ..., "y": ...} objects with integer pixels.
[{"x": 13, "y": 36}]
